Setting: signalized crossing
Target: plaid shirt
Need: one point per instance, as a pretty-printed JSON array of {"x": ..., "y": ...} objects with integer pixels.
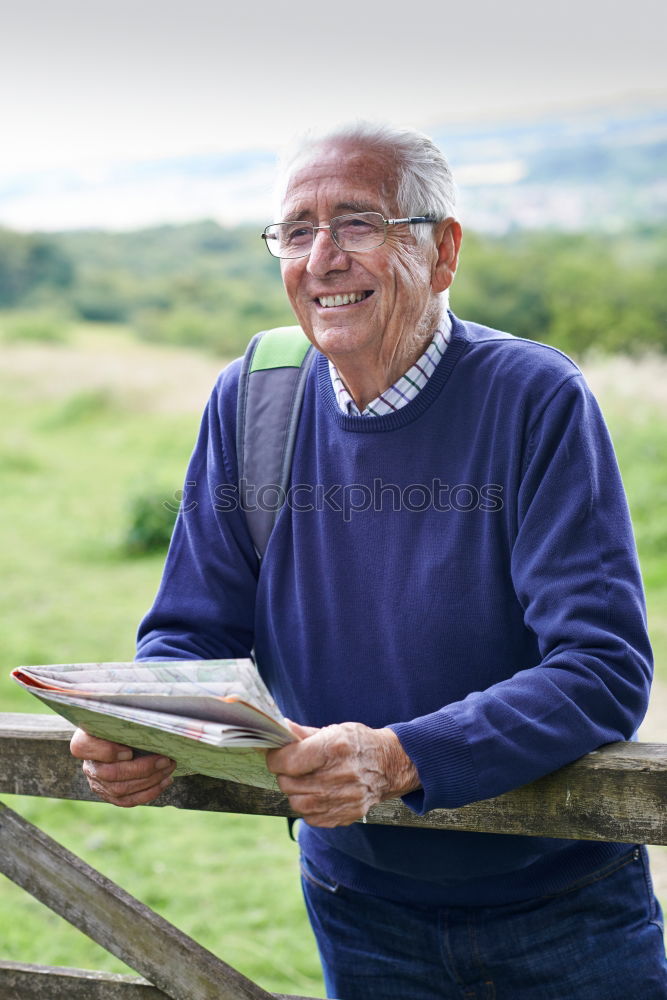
[{"x": 405, "y": 388}]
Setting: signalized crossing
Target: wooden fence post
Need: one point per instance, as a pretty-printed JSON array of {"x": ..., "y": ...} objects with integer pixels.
[{"x": 170, "y": 960}]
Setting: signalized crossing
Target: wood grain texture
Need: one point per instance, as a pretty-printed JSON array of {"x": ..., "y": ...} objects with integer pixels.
[
  {"x": 166, "y": 957},
  {"x": 43, "y": 982},
  {"x": 19, "y": 981},
  {"x": 617, "y": 793}
]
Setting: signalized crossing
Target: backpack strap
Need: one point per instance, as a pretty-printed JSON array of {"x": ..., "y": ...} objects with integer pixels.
[{"x": 271, "y": 387}]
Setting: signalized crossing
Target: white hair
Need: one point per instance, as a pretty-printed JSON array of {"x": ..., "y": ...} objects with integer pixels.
[{"x": 424, "y": 182}]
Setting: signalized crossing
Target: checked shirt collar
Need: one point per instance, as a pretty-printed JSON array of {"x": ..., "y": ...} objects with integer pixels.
[{"x": 405, "y": 388}]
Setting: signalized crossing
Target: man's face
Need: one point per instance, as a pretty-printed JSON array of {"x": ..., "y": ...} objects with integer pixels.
[{"x": 393, "y": 300}]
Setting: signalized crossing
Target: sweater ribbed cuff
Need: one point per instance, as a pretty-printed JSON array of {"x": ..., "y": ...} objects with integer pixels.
[{"x": 439, "y": 750}]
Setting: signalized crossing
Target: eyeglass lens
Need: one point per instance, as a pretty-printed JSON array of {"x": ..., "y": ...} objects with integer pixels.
[{"x": 362, "y": 231}]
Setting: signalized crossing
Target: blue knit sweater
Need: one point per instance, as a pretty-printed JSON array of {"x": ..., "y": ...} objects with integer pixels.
[{"x": 462, "y": 570}]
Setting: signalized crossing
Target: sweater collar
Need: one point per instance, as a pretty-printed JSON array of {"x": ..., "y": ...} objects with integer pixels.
[
  {"x": 406, "y": 414},
  {"x": 405, "y": 388}
]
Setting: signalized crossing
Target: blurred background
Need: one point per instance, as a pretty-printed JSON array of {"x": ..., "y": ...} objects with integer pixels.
[{"x": 138, "y": 144}]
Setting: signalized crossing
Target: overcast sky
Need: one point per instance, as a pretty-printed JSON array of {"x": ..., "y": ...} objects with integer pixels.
[{"x": 86, "y": 82}]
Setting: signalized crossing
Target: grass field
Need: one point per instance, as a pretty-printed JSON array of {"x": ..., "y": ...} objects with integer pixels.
[{"x": 85, "y": 425}]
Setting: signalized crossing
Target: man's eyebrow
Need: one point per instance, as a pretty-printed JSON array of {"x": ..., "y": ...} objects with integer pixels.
[
  {"x": 356, "y": 206},
  {"x": 340, "y": 208},
  {"x": 304, "y": 214}
]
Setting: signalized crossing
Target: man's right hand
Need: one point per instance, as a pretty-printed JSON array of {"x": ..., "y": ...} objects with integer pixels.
[{"x": 116, "y": 775}]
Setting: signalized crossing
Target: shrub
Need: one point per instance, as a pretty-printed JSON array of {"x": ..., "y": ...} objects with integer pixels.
[
  {"x": 34, "y": 326},
  {"x": 150, "y": 521}
]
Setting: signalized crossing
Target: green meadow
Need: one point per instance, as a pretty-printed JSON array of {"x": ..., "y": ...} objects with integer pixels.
[
  {"x": 86, "y": 427},
  {"x": 93, "y": 423}
]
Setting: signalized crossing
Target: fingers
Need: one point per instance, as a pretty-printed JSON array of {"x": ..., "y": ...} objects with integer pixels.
[
  {"x": 88, "y": 747},
  {"x": 325, "y": 810},
  {"x": 301, "y": 731},
  {"x": 325, "y": 749},
  {"x": 332, "y": 777},
  {"x": 116, "y": 775},
  {"x": 328, "y": 799},
  {"x": 285, "y": 760},
  {"x": 130, "y": 783},
  {"x": 302, "y": 757},
  {"x": 139, "y": 769}
]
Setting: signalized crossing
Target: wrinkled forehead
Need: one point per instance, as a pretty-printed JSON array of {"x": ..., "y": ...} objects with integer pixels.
[{"x": 346, "y": 178}]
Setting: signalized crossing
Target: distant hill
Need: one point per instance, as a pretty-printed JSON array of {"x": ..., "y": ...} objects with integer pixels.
[{"x": 598, "y": 167}]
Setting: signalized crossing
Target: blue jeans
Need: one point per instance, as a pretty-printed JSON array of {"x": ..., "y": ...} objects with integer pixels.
[{"x": 599, "y": 939}]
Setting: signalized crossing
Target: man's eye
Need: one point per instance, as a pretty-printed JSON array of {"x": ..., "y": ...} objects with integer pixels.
[
  {"x": 297, "y": 234},
  {"x": 354, "y": 227}
]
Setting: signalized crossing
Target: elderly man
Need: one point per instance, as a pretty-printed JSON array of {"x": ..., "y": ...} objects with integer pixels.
[{"x": 477, "y": 625}]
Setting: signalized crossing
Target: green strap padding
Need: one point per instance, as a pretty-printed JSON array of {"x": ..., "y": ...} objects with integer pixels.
[{"x": 282, "y": 347}]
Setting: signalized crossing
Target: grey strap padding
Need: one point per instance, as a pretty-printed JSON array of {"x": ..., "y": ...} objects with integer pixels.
[{"x": 269, "y": 405}]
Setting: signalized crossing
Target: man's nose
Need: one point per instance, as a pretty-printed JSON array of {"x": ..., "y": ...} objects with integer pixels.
[{"x": 325, "y": 255}]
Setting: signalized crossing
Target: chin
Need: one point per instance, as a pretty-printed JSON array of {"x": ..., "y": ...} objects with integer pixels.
[{"x": 338, "y": 339}]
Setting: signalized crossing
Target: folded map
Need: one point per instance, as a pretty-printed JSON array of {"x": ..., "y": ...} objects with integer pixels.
[{"x": 213, "y": 717}]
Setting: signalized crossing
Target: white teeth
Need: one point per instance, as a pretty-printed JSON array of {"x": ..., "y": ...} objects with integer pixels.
[{"x": 348, "y": 298}]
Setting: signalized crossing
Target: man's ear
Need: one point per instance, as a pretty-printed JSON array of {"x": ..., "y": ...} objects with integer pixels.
[{"x": 448, "y": 242}]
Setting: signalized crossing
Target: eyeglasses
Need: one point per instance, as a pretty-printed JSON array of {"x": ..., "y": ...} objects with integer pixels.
[{"x": 351, "y": 233}]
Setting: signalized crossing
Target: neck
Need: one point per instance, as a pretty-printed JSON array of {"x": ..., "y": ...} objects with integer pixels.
[{"x": 367, "y": 376}]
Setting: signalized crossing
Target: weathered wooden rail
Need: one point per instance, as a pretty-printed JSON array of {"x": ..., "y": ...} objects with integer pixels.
[{"x": 618, "y": 793}]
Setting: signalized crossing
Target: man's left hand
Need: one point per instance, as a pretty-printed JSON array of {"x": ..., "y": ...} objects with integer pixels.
[{"x": 332, "y": 776}]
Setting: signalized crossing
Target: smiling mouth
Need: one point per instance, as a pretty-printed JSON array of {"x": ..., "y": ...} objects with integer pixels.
[{"x": 342, "y": 299}]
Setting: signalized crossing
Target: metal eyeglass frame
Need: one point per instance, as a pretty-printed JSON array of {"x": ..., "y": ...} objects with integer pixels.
[{"x": 412, "y": 219}]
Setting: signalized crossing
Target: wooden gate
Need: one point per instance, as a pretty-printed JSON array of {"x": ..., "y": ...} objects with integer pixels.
[{"x": 617, "y": 793}]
